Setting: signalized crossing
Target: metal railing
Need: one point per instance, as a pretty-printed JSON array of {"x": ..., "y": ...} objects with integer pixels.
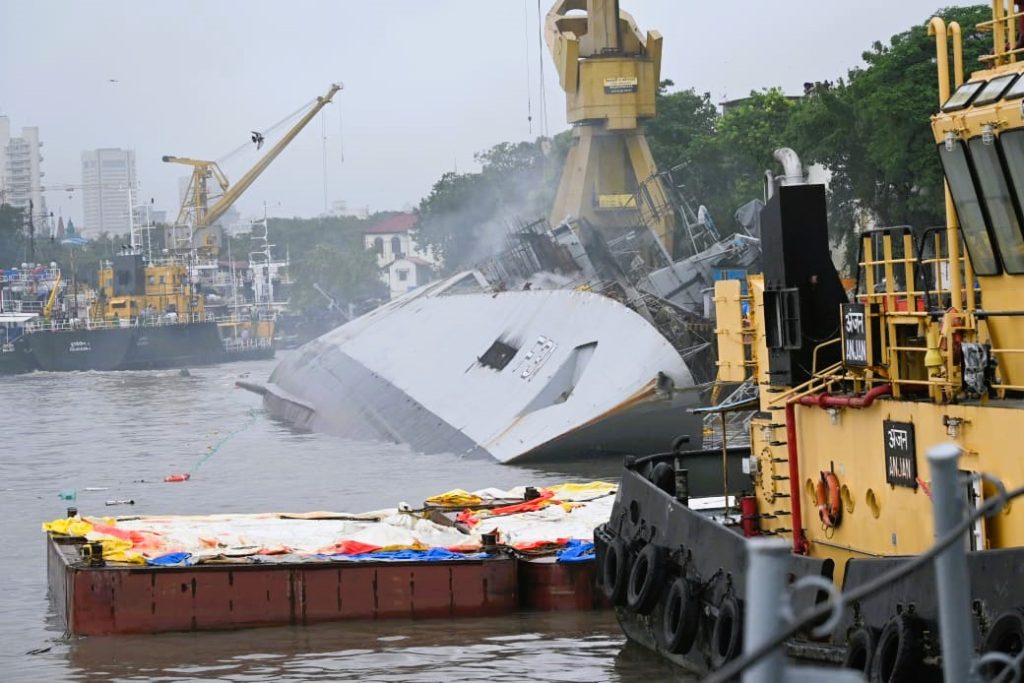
[
  {"x": 14, "y": 276},
  {"x": 1006, "y": 38},
  {"x": 142, "y": 321}
]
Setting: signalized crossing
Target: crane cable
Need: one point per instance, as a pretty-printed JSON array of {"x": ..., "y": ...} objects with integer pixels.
[
  {"x": 323, "y": 134},
  {"x": 529, "y": 103},
  {"x": 266, "y": 131},
  {"x": 542, "y": 102}
]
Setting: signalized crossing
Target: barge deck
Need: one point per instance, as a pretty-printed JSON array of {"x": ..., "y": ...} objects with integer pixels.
[{"x": 160, "y": 574}]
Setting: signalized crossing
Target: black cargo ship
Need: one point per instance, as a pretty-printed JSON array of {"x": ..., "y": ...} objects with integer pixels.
[
  {"x": 137, "y": 347},
  {"x": 146, "y": 316}
]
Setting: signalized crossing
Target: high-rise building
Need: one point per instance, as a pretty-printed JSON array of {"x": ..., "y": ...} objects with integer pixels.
[
  {"x": 108, "y": 176},
  {"x": 21, "y": 179}
]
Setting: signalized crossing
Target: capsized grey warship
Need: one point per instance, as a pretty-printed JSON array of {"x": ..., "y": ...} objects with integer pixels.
[{"x": 489, "y": 362}]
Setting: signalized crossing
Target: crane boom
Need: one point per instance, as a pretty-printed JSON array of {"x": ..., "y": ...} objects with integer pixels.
[
  {"x": 234, "y": 192},
  {"x": 196, "y": 198}
]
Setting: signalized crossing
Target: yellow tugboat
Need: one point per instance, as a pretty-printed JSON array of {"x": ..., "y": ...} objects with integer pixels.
[{"x": 852, "y": 390}]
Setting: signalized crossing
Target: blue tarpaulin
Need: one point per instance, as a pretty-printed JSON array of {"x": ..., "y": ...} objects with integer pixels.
[
  {"x": 577, "y": 551},
  {"x": 171, "y": 560},
  {"x": 432, "y": 555}
]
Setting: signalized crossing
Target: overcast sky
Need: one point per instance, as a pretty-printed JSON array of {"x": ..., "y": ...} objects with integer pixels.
[{"x": 427, "y": 82}]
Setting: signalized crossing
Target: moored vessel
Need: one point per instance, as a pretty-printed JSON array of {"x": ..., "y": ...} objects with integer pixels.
[
  {"x": 145, "y": 315},
  {"x": 852, "y": 391}
]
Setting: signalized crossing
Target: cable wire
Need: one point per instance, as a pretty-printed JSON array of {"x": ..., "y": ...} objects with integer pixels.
[
  {"x": 542, "y": 103},
  {"x": 266, "y": 131},
  {"x": 529, "y": 103},
  {"x": 736, "y": 666}
]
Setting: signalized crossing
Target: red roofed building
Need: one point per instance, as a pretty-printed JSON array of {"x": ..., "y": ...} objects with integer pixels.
[{"x": 403, "y": 265}]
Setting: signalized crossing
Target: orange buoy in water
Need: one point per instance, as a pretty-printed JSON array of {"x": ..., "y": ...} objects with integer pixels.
[{"x": 171, "y": 478}]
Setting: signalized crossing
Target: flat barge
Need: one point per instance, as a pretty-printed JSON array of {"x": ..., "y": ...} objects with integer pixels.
[{"x": 99, "y": 586}]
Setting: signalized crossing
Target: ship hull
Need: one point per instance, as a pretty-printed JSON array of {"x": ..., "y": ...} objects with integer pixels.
[
  {"x": 713, "y": 558},
  {"x": 580, "y": 374},
  {"x": 134, "y": 348},
  {"x": 16, "y": 358}
]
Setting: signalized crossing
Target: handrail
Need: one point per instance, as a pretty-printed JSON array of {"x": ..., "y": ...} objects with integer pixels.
[
  {"x": 148, "y": 321},
  {"x": 818, "y": 382}
]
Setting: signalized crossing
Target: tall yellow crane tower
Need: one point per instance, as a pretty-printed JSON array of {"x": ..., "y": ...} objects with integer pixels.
[
  {"x": 193, "y": 228},
  {"x": 610, "y": 73}
]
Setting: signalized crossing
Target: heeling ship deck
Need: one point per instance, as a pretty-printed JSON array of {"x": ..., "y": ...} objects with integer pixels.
[{"x": 509, "y": 374}]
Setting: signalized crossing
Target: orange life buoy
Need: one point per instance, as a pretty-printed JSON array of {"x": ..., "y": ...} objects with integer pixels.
[{"x": 830, "y": 507}]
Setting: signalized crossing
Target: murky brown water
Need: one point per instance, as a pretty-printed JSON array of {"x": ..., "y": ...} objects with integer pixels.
[{"x": 119, "y": 431}]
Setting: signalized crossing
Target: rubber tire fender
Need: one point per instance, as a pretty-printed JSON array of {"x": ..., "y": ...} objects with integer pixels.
[
  {"x": 860, "y": 649},
  {"x": 1006, "y": 636},
  {"x": 615, "y": 571},
  {"x": 727, "y": 633},
  {"x": 663, "y": 475},
  {"x": 680, "y": 617},
  {"x": 899, "y": 653},
  {"x": 646, "y": 578}
]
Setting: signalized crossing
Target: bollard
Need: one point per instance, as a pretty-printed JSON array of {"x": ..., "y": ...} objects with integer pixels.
[
  {"x": 766, "y": 583},
  {"x": 682, "y": 482},
  {"x": 951, "y": 565}
]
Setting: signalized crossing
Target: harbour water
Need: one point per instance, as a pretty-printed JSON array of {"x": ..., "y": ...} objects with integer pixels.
[{"x": 114, "y": 436}]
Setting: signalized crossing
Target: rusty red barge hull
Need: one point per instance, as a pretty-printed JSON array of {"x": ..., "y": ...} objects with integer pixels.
[{"x": 123, "y": 599}]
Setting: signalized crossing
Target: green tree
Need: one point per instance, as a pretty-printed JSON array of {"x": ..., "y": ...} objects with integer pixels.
[
  {"x": 349, "y": 276},
  {"x": 464, "y": 218},
  {"x": 12, "y": 235},
  {"x": 731, "y": 163},
  {"x": 684, "y": 117},
  {"x": 871, "y": 129}
]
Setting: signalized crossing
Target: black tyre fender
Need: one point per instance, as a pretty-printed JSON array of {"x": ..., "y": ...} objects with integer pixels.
[
  {"x": 646, "y": 578},
  {"x": 615, "y": 571},
  {"x": 899, "y": 653},
  {"x": 680, "y": 617},
  {"x": 860, "y": 649},
  {"x": 1006, "y": 636},
  {"x": 727, "y": 633},
  {"x": 664, "y": 477}
]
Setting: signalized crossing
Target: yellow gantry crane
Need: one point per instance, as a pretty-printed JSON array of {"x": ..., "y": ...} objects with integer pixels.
[
  {"x": 610, "y": 73},
  {"x": 196, "y": 216}
]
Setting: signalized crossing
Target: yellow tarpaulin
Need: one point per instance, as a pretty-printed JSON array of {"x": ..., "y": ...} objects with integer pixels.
[{"x": 455, "y": 498}]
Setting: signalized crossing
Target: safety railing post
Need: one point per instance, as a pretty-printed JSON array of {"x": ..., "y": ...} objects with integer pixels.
[
  {"x": 766, "y": 586},
  {"x": 951, "y": 565}
]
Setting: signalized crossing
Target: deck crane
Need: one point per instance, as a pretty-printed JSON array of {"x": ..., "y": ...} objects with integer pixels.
[
  {"x": 196, "y": 217},
  {"x": 610, "y": 73}
]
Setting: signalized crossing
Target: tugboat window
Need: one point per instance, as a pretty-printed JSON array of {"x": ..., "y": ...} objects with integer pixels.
[
  {"x": 1016, "y": 91},
  {"x": 1012, "y": 145},
  {"x": 968, "y": 209},
  {"x": 963, "y": 95},
  {"x": 994, "y": 90},
  {"x": 1001, "y": 212}
]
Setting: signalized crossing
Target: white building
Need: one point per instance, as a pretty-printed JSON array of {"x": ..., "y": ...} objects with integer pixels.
[
  {"x": 20, "y": 173},
  {"x": 107, "y": 176},
  {"x": 404, "y": 266}
]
